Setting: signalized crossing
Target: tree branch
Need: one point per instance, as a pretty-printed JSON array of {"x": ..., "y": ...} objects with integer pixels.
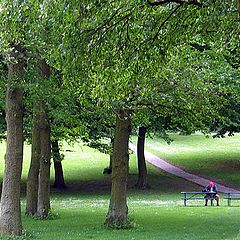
[
  {"x": 161, "y": 2},
  {"x": 199, "y": 47},
  {"x": 153, "y": 38},
  {"x": 163, "y": 23}
]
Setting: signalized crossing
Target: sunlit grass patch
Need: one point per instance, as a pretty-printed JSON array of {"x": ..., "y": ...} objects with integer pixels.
[
  {"x": 218, "y": 158},
  {"x": 75, "y": 202},
  {"x": 151, "y": 219}
]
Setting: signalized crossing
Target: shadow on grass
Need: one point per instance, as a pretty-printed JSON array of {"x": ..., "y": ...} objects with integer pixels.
[{"x": 160, "y": 184}]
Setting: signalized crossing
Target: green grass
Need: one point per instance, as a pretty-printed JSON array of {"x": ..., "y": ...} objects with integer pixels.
[
  {"x": 218, "y": 158},
  {"x": 157, "y": 213},
  {"x": 153, "y": 221}
]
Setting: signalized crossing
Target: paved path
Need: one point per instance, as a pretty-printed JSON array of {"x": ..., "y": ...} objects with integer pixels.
[{"x": 165, "y": 166}]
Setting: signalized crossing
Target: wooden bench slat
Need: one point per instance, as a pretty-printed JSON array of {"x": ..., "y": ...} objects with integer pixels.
[
  {"x": 193, "y": 198},
  {"x": 233, "y": 198}
]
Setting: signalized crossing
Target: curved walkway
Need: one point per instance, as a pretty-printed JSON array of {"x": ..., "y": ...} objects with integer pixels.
[{"x": 169, "y": 168}]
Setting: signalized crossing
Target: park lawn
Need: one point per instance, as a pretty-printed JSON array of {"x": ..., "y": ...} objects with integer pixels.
[
  {"x": 82, "y": 218},
  {"x": 217, "y": 158},
  {"x": 157, "y": 213}
]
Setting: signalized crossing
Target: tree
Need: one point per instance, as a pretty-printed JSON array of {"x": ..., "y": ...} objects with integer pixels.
[
  {"x": 59, "y": 177},
  {"x": 33, "y": 174},
  {"x": 10, "y": 210},
  {"x": 16, "y": 17},
  {"x": 43, "y": 207},
  {"x": 14, "y": 25},
  {"x": 142, "y": 168},
  {"x": 38, "y": 185},
  {"x": 118, "y": 210}
]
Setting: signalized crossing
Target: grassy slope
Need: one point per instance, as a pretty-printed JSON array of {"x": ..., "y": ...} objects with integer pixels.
[
  {"x": 158, "y": 213},
  {"x": 217, "y": 158}
]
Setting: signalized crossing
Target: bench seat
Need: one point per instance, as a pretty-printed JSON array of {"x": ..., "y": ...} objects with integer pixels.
[{"x": 195, "y": 196}]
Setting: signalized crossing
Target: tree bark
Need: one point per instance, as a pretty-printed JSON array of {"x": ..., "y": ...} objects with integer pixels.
[
  {"x": 45, "y": 142},
  {"x": 118, "y": 211},
  {"x": 162, "y": 2},
  {"x": 32, "y": 182},
  {"x": 59, "y": 177},
  {"x": 238, "y": 5},
  {"x": 44, "y": 170},
  {"x": 142, "y": 168},
  {"x": 10, "y": 210}
]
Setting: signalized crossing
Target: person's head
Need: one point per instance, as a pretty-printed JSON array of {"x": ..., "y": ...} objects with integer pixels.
[{"x": 211, "y": 183}]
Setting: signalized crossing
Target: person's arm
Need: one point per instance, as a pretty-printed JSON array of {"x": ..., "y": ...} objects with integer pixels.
[{"x": 205, "y": 189}]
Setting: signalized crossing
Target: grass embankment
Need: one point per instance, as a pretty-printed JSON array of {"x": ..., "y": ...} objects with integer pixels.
[{"x": 158, "y": 213}]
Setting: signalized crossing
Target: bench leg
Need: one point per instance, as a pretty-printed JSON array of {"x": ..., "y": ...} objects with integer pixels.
[{"x": 185, "y": 200}]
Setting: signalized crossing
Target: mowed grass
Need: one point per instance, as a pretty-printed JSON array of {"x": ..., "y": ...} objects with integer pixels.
[
  {"x": 157, "y": 213},
  {"x": 218, "y": 158}
]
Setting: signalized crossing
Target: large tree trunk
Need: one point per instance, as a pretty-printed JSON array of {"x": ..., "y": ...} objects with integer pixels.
[
  {"x": 142, "y": 168},
  {"x": 44, "y": 170},
  {"x": 32, "y": 181},
  {"x": 10, "y": 211},
  {"x": 59, "y": 177},
  {"x": 45, "y": 142},
  {"x": 118, "y": 210}
]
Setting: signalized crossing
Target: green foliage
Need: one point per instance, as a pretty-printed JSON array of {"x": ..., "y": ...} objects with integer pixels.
[
  {"x": 123, "y": 54},
  {"x": 3, "y": 78},
  {"x": 127, "y": 57},
  {"x": 18, "y": 23}
]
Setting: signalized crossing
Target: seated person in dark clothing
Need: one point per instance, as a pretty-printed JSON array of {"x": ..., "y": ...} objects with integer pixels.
[{"x": 211, "y": 187}]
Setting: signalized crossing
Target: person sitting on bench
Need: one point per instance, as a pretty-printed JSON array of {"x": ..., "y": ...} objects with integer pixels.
[{"x": 211, "y": 187}]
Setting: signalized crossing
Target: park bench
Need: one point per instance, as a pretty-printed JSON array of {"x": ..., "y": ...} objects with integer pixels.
[
  {"x": 231, "y": 196},
  {"x": 187, "y": 196}
]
